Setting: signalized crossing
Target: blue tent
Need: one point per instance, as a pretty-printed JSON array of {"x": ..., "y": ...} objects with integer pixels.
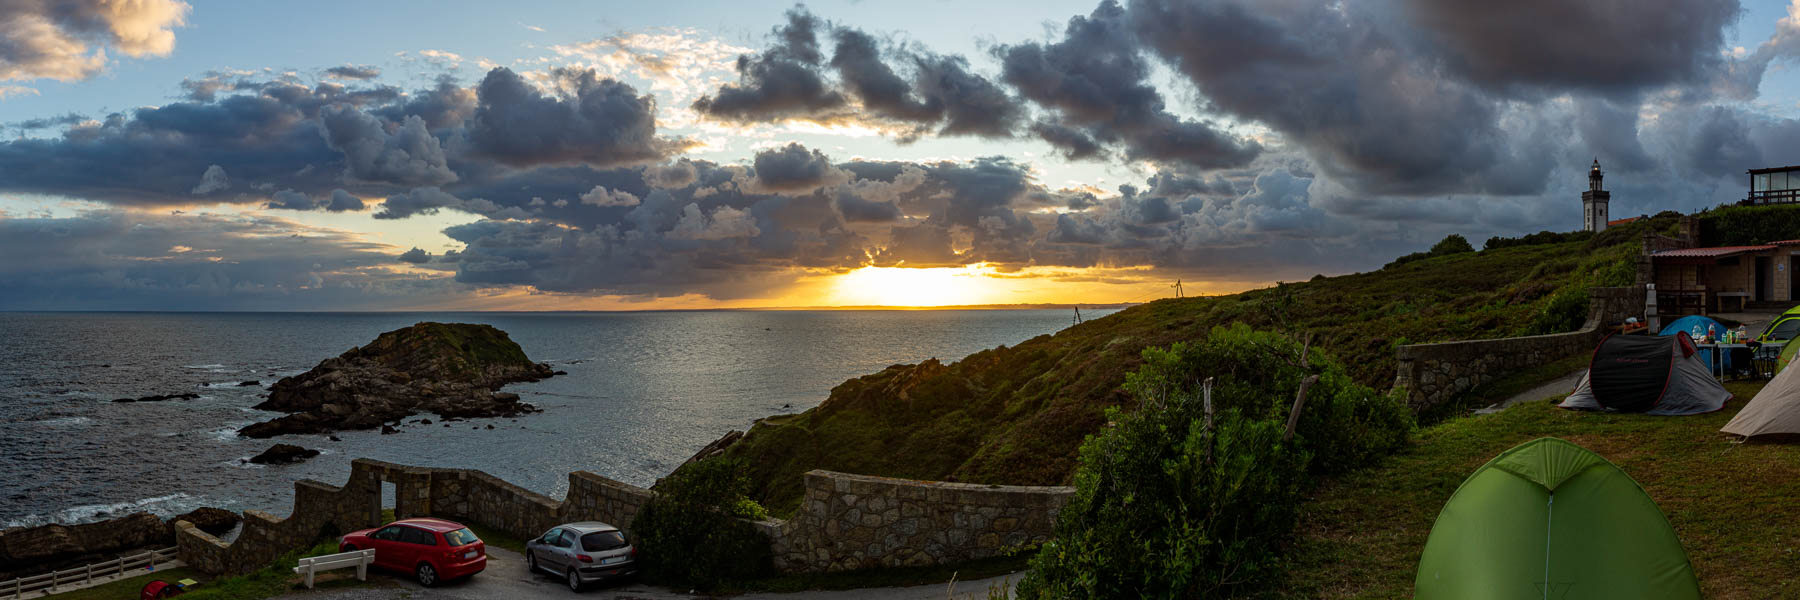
[{"x": 1696, "y": 327}]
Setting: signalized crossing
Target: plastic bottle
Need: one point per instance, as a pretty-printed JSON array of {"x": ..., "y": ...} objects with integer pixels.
[{"x": 1712, "y": 333}]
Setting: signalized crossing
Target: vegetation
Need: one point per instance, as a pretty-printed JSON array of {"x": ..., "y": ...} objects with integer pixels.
[
  {"x": 1534, "y": 239},
  {"x": 691, "y": 534},
  {"x": 1017, "y": 415},
  {"x": 1360, "y": 534},
  {"x": 1451, "y": 244},
  {"x": 1747, "y": 225},
  {"x": 1176, "y": 502}
]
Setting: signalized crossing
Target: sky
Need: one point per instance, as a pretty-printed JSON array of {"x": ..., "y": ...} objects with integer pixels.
[{"x": 251, "y": 155}]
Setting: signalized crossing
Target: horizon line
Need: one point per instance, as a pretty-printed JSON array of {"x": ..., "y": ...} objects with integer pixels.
[{"x": 857, "y": 307}]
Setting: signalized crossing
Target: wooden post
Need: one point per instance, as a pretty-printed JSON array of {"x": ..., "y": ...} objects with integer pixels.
[
  {"x": 1206, "y": 399},
  {"x": 1299, "y": 403}
]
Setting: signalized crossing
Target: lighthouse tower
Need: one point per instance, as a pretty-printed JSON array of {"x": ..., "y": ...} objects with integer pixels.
[{"x": 1593, "y": 201}]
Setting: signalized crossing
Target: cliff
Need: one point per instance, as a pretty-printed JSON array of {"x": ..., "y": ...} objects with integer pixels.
[{"x": 452, "y": 369}]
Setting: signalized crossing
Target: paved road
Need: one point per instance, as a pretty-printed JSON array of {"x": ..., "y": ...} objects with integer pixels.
[{"x": 506, "y": 579}]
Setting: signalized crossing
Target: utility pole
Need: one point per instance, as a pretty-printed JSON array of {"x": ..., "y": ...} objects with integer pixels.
[
  {"x": 1177, "y": 287},
  {"x": 1077, "y": 315}
]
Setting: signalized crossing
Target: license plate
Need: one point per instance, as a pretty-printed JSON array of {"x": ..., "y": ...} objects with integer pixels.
[
  {"x": 470, "y": 554},
  {"x": 613, "y": 560}
]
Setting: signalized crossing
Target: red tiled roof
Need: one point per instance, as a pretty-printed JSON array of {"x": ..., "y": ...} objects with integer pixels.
[
  {"x": 1719, "y": 252},
  {"x": 1621, "y": 221},
  {"x": 1787, "y": 243}
]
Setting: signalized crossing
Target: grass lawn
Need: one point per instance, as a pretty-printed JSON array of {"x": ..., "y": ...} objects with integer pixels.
[
  {"x": 128, "y": 588},
  {"x": 273, "y": 580},
  {"x": 1733, "y": 505}
]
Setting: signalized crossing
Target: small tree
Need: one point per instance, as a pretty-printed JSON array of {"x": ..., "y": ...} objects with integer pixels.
[
  {"x": 691, "y": 534},
  {"x": 1451, "y": 244}
]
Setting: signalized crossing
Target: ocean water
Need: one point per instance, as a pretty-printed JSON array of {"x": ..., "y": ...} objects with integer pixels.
[{"x": 644, "y": 392}]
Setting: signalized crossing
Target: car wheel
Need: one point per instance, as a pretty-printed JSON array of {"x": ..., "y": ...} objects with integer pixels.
[
  {"x": 530, "y": 562},
  {"x": 427, "y": 576},
  {"x": 574, "y": 581}
]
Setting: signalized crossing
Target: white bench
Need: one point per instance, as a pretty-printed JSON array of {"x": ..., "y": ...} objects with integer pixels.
[{"x": 361, "y": 559}]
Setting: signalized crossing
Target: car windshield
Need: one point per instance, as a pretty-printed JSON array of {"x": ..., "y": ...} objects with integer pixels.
[
  {"x": 461, "y": 537},
  {"x": 602, "y": 540}
]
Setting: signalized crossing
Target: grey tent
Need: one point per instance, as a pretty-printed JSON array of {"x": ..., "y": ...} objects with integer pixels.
[
  {"x": 1775, "y": 409},
  {"x": 1654, "y": 375}
]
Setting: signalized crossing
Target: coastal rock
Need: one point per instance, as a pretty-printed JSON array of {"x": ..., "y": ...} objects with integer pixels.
[
  {"x": 28, "y": 550},
  {"x": 216, "y": 521},
  {"x": 186, "y": 396},
  {"x": 717, "y": 446},
  {"x": 282, "y": 454},
  {"x": 452, "y": 369},
  {"x": 249, "y": 383}
]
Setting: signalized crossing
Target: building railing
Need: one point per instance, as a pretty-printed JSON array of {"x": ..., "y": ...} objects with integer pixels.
[
  {"x": 1773, "y": 197},
  {"x": 49, "y": 582}
]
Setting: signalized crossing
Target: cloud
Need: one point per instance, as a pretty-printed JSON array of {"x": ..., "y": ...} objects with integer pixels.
[
  {"x": 213, "y": 180},
  {"x": 598, "y": 122},
  {"x": 408, "y": 156},
  {"x": 781, "y": 82},
  {"x": 336, "y": 201},
  {"x": 415, "y": 256},
  {"x": 723, "y": 223},
  {"x": 1096, "y": 82},
  {"x": 425, "y": 200},
  {"x": 600, "y": 196},
  {"x": 67, "y": 39},
  {"x": 792, "y": 168},
  {"x": 356, "y": 72}
]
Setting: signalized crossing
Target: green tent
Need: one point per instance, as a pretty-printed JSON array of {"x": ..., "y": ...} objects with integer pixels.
[{"x": 1550, "y": 520}]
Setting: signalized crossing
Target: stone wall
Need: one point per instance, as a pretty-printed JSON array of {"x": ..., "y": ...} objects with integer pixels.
[
  {"x": 850, "y": 522},
  {"x": 846, "y": 521},
  {"x": 1432, "y": 374}
]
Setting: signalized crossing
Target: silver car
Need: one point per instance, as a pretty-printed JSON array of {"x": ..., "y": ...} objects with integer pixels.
[{"x": 582, "y": 553}]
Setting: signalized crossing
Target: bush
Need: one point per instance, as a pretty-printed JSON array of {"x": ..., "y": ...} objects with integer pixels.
[
  {"x": 691, "y": 534},
  {"x": 1534, "y": 239},
  {"x": 1451, "y": 244},
  {"x": 1164, "y": 508},
  {"x": 1566, "y": 311}
]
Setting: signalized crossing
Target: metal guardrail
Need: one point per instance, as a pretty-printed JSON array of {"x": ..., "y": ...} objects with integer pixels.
[
  {"x": 361, "y": 559},
  {"x": 50, "y": 582}
]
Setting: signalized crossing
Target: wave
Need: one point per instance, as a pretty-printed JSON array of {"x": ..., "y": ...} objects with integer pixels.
[
  {"x": 161, "y": 506},
  {"x": 214, "y": 366}
]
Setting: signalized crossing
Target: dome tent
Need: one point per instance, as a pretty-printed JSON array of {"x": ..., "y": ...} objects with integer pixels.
[
  {"x": 1549, "y": 519},
  {"x": 1696, "y": 327},
  {"x": 1775, "y": 409},
  {"x": 1656, "y": 375}
]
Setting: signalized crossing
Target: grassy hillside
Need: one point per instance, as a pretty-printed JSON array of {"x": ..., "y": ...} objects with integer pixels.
[
  {"x": 1016, "y": 414},
  {"x": 1731, "y": 504}
]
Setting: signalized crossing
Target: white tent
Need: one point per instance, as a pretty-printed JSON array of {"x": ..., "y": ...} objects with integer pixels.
[{"x": 1775, "y": 409}]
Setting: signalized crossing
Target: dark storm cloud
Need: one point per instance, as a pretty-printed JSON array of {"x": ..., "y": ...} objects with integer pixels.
[
  {"x": 415, "y": 256},
  {"x": 793, "y": 168},
  {"x": 427, "y": 200},
  {"x": 942, "y": 90},
  {"x": 336, "y": 201},
  {"x": 1069, "y": 142},
  {"x": 445, "y": 104},
  {"x": 408, "y": 156},
  {"x": 1096, "y": 79},
  {"x": 357, "y": 72},
  {"x": 46, "y": 122},
  {"x": 598, "y": 122},
  {"x": 781, "y": 82},
  {"x": 1615, "y": 47}
]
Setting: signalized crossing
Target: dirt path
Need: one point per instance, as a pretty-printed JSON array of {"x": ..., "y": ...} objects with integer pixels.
[
  {"x": 1549, "y": 389},
  {"x": 506, "y": 578}
]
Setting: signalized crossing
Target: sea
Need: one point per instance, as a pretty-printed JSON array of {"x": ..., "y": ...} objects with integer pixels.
[{"x": 644, "y": 391}]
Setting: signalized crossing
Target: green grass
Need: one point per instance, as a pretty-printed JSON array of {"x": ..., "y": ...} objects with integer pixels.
[
  {"x": 128, "y": 588},
  {"x": 1731, "y": 504},
  {"x": 274, "y": 580},
  {"x": 496, "y": 538}
]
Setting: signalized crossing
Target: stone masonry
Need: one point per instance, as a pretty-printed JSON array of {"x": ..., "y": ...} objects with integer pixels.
[
  {"x": 851, "y": 522},
  {"x": 1432, "y": 374},
  {"x": 846, "y": 522}
]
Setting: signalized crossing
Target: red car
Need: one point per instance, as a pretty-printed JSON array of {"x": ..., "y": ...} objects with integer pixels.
[{"x": 433, "y": 550}]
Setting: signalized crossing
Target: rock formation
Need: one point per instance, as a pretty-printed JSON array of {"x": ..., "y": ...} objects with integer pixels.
[
  {"x": 282, "y": 454},
  {"x": 452, "y": 369},
  {"x": 159, "y": 398},
  {"x": 216, "y": 521},
  {"x": 28, "y": 550}
]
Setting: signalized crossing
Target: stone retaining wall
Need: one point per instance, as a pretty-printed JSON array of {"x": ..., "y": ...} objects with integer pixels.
[
  {"x": 846, "y": 521},
  {"x": 1432, "y": 374},
  {"x": 850, "y": 522}
]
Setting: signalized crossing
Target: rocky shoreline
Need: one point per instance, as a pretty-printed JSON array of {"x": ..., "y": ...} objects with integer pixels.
[
  {"x": 27, "y": 551},
  {"x": 452, "y": 369}
]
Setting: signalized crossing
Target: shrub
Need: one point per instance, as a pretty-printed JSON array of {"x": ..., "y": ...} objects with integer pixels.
[
  {"x": 691, "y": 534},
  {"x": 1566, "y": 311},
  {"x": 1451, "y": 244},
  {"x": 1165, "y": 508},
  {"x": 1534, "y": 239}
]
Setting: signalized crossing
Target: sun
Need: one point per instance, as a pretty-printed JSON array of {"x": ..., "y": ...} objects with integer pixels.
[{"x": 903, "y": 286}]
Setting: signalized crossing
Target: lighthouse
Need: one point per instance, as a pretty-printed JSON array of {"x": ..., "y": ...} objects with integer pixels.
[{"x": 1593, "y": 201}]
